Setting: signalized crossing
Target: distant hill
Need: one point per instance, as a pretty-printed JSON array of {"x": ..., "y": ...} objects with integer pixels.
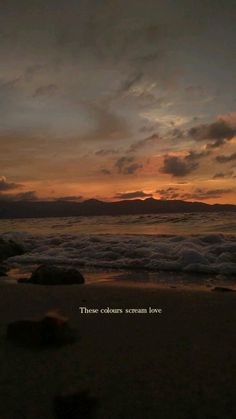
[{"x": 60, "y": 208}]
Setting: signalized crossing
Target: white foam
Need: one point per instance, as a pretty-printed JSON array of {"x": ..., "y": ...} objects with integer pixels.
[{"x": 214, "y": 254}]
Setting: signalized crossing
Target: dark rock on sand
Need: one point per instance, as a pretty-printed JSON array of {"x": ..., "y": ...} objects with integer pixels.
[
  {"x": 9, "y": 248},
  {"x": 54, "y": 275},
  {"x": 223, "y": 289},
  {"x": 3, "y": 270},
  {"x": 79, "y": 405},
  {"x": 52, "y": 330}
]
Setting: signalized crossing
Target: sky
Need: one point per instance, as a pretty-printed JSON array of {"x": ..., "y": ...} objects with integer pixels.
[{"x": 118, "y": 100}]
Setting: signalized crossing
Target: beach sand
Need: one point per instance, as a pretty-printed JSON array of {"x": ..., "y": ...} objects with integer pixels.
[{"x": 179, "y": 364}]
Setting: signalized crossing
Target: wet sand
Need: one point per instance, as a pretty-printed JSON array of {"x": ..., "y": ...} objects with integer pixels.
[{"x": 179, "y": 364}]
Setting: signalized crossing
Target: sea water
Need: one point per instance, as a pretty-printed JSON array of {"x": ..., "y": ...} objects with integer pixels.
[{"x": 198, "y": 246}]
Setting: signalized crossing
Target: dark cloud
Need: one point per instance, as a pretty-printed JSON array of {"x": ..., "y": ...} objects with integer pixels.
[
  {"x": 168, "y": 193},
  {"x": 23, "y": 196},
  {"x": 130, "y": 82},
  {"x": 27, "y": 196},
  {"x": 7, "y": 186},
  {"x": 176, "y": 134},
  {"x": 143, "y": 143},
  {"x": 122, "y": 162},
  {"x": 203, "y": 194},
  {"x": 132, "y": 195},
  {"x": 127, "y": 166},
  {"x": 105, "y": 152},
  {"x": 219, "y": 175},
  {"x": 182, "y": 166},
  {"x": 218, "y": 133},
  {"x": 198, "y": 194},
  {"x": 133, "y": 168},
  {"x": 226, "y": 158},
  {"x": 69, "y": 198},
  {"x": 178, "y": 166}
]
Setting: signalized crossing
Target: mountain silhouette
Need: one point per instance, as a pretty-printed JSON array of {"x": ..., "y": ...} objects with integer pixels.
[{"x": 93, "y": 207}]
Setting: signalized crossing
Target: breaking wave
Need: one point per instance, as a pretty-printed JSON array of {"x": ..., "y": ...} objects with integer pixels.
[{"x": 206, "y": 253}]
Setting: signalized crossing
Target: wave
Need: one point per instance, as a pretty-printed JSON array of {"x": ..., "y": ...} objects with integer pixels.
[
  {"x": 199, "y": 223},
  {"x": 206, "y": 254}
]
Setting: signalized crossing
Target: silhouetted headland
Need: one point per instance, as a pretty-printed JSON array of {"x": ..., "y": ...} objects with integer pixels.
[{"x": 93, "y": 207}]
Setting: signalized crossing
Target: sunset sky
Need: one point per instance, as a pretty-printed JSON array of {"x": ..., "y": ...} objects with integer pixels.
[{"x": 118, "y": 99}]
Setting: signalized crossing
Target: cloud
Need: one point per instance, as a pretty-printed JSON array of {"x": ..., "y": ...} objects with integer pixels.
[
  {"x": 217, "y": 133},
  {"x": 72, "y": 198},
  {"x": 105, "y": 152},
  {"x": 198, "y": 194},
  {"x": 133, "y": 168},
  {"x": 7, "y": 186},
  {"x": 127, "y": 166},
  {"x": 143, "y": 143},
  {"x": 182, "y": 166},
  {"x": 176, "y": 134},
  {"x": 23, "y": 196},
  {"x": 225, "y": 158},
  {"x": 88, "y": 52},
  {"x": 204, "y": 194},
  {"x": 130, "y": 82},
  {"x": 122, "y": 162},
  {"x": 178, "y": 166},
  {"x": 219, "y": 175},
  {"x": 169, "y": 193},
  {"x": 131, "y": 195}
]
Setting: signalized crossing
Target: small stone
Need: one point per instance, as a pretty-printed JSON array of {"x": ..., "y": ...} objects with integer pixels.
[{"x": 54, "y": 275}]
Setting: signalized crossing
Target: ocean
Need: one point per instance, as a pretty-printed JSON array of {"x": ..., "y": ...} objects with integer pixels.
[{"x": 186, "y": 248}]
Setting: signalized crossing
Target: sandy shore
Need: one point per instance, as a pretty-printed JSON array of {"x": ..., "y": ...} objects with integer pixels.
[{"x": 180, "y": 364}]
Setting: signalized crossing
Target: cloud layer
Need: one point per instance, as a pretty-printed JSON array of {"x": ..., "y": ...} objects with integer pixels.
[{"x": 98, "y": 97}]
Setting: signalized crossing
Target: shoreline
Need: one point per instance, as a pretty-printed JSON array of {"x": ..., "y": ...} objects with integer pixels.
[{"x": 138, "y": 279}]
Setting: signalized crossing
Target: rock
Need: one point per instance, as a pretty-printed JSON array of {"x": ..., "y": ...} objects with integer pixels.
[
  {"x": 79, "y": 405},
  {"x": 3, "y": 270},
  {"x": 9, "y": 248},
  {"x": 223, "y": 289},
  {"x": 52, "y": 330},
  {"x": 54, "y": 275}
]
